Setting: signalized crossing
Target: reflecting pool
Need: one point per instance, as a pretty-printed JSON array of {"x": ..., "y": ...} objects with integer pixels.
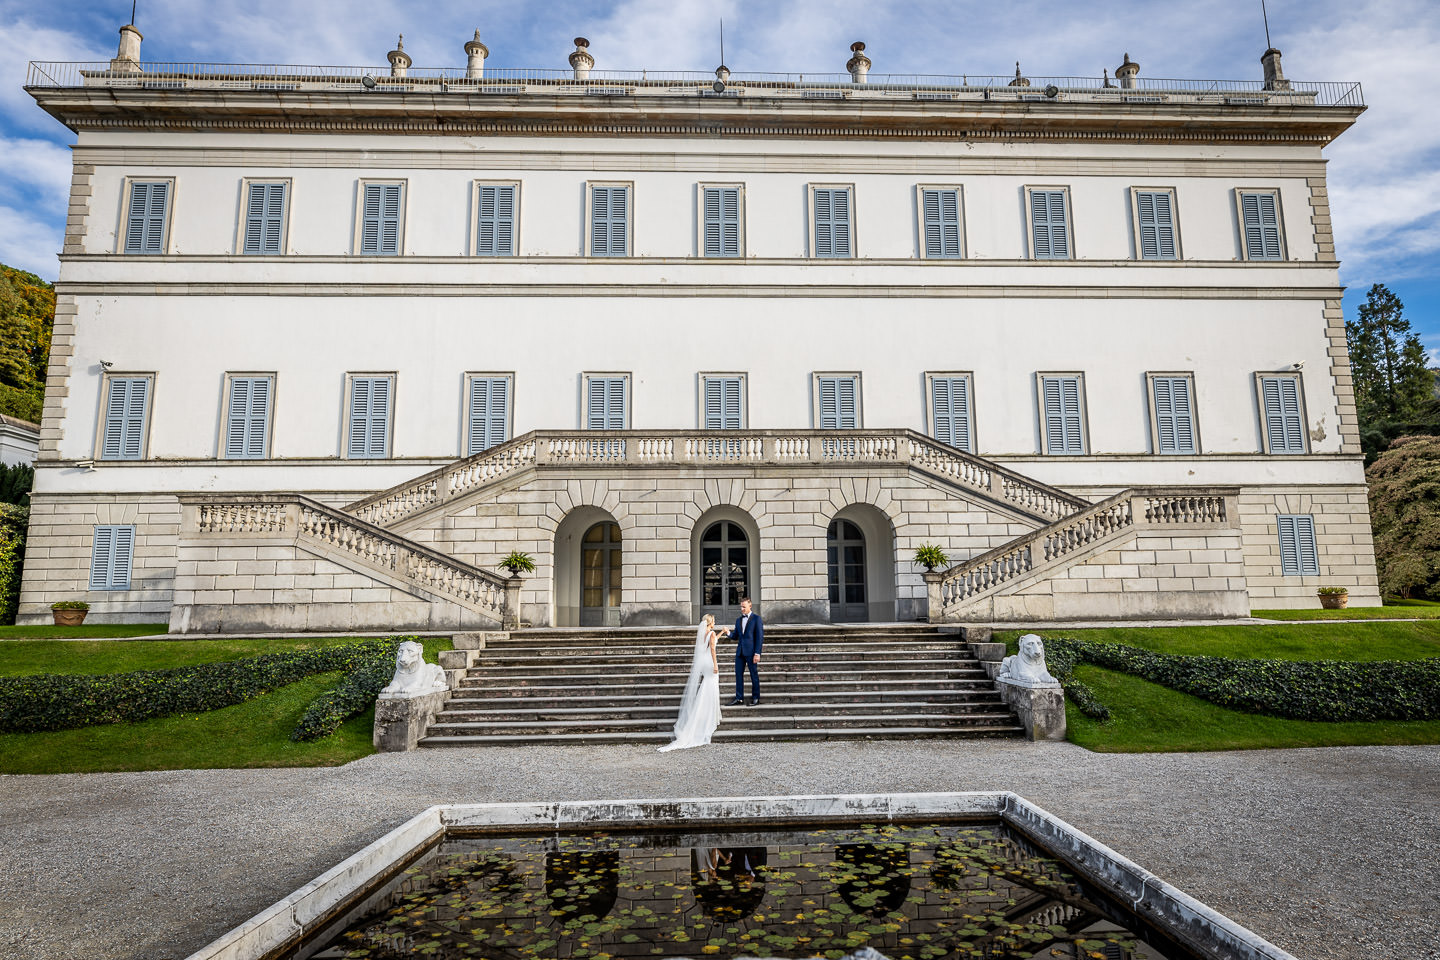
[{"x": 917, "y": 892}]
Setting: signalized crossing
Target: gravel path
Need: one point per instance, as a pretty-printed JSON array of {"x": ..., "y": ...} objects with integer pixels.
[{"x": 1328, "y": 853}]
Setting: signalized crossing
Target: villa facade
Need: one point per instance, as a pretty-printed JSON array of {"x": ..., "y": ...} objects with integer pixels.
[{"x": 329, "y": 345}]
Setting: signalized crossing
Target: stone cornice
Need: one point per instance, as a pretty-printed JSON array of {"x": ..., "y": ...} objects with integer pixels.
[{"x": 121, "y": 108}]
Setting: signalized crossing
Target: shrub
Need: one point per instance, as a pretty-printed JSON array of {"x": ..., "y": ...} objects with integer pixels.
[
  {"x": 14, "y": 522},
  {"x": 1060, "y": 660},
  {"x": 1405, "y": 513},
  {"x": 70, "y": 605},
  {"x": 1332, "y": 591},
  {"x": 517, "y": 562},
  {"x": 354, "y": 695},
  {"x": 63, "y": 701},
  {"x": 1325, "y": 690},
  {"x": 930, "y": 556},
  {"x": 16, "y": 482}
]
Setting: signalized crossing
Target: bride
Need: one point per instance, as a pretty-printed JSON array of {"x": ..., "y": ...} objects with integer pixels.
[{"x": 700, "y": 707}]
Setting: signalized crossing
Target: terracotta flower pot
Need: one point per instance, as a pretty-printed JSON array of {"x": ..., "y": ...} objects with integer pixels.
[
  {"x": 1334, "y": 601},
  {"x": 68, "y": 618}
]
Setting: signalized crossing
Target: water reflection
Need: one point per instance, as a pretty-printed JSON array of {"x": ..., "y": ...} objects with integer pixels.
[
  {"x": 873, "y": 878},
  {"x": 583, "y": 884},
  {"x": 728, "y": 882}
]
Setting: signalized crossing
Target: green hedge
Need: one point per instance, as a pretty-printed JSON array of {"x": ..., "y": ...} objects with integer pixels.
[
  {"x": 14, "y": 523},
  {"x": 1060, "y": 659},
  {"x": 1326, "y": 690},
  {"x": 65, "y": 701},
  {"x": 354, "y": 695}
]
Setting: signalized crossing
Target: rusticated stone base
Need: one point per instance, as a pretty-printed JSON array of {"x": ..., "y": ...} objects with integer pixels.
[{"x": 400, "y": 722}]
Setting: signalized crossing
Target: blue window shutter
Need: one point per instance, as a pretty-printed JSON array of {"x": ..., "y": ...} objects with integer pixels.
[
  {"x": 1261, "y": 225},
  {"x": 495, "y": 228},
  {"x": 832, "y": 222},
  {"x": 380, "y": 219},
  {"x": 489, "y": 412},
  {"x": 950, "y": 410},
  {"x": 111, "y": 557},
  {"x": 1174, "y": 415},
  {"x": 390, "y": 219},
  {"x": 722, "y": 403},
  {"x": 1280, "y": 397},
  {"x": 941, "y": 210},
  {"x": 839, "y": 408},
  {"x": 606, "y": 403},
  {"x": 1298, "y": 553},
  {"x": 1049, "y": 225},
  {"x": 145, "y": 226},
  {"x": 264, "y": 218},
  {"x": 126, "y": 410},
  {"x": 370, "y": 219},
  {"x": 368, "y": 436},
  {"x": 609, "y": 221},
  {"x": 722, "y": 222},
  {"x": 1156, "y": 215},
  {"x": 1063, "y": 433},
  {"x": 247, "y": 417}
]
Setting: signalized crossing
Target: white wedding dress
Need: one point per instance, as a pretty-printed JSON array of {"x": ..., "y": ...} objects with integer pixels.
[{"x": 700, "y": 707}]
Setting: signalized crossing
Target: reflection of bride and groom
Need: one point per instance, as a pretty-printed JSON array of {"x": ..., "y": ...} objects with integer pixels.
[{"x": 700, "y": 705}]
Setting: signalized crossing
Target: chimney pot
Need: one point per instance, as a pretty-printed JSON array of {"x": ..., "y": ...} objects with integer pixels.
[
  {"x": 859, "y": 64},
  {"x": 1274, "y": 75},
  {"x": 581, "y": 61},
  {"x": 475, "y": 53},
  {"x": 1127, "y": 72},
  {"x": 399, "y": 60}
]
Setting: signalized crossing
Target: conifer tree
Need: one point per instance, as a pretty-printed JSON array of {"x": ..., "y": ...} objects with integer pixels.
[{"x": 1393, "y": 382}]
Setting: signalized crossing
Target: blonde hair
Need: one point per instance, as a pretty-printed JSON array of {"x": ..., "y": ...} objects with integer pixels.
[{"x": 709, "y": 621}]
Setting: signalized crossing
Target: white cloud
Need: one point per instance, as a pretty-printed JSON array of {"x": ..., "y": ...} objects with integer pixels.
[
  {"x": 37, "y": 171},
  {"x": 30, "y": 243}
]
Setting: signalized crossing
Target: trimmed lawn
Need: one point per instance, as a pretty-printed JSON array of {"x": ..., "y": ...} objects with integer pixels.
[
  {"x": 41, "y": 631},
  {"x": 20, "y": 658},
  {"x": 1147, "y": 717},
  {"x": 1414, "y": 610},
  {"x": 1281, "y": 641},
  {"x": 251, "y": 734}
]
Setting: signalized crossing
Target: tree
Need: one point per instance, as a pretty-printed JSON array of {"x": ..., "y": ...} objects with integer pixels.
[
  {"x": 1405, "y": 515},
  {"x": 1392, "y": 379},
  {"x": 27, "y": 317}
]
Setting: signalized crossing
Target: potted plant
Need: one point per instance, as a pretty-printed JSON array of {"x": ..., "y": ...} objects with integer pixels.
[
  {"x": 69, "y": 613},
  {"x": 1333, "y": 598},
  {"x": 517, "y": 563},
  {"x": 930, "y": 556}
]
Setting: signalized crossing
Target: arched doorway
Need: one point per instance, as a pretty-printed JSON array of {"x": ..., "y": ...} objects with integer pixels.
[
  {"x": 845, "y": 560},
  {"x": 600, "y": 553},
  {"x": 725, "y": 565}
]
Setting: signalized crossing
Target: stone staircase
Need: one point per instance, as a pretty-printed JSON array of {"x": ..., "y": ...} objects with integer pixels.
[{"x": 624, "y": 686}]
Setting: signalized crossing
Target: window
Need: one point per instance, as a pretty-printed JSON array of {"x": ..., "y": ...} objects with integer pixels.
[
  {"x": 1172, "y": 412},
  {"x": 940, "y": 219},
  {"x": 1049, "y": 223},
  {"x": 833, "y": 225},
  {"x": 609, "y": 220},
  {"x": 837, "y": 401},
  {"x": 495, "y": 219},
  {"x": 371, "y": 401},
  {"x": 147, "y": 216},
  {"x": 247, "y": 417},
  {"x": 126, "y": 417},
  {"x": 488, "y": 412},
  {"x": 264, "y": 218},
  {"x": 722, "y": 230},
  {"x": 1297, "y": 546},
  {"x": 607, "y": 401},
  {"x": 1260, "y": 234},
  {"x": 1155, "y": 233},
  {"x": 382, "y": 215},
  {"x": 110, "y": 557},
  {"x": 1062, "y": 408},
  {"x": 722, "y": 401},
  {"x": 1282, "y": 413},
  {"x": 950, "y": 418}
]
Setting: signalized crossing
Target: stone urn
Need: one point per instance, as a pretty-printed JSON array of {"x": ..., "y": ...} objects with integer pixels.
[
  {"x": 68, "y": 616},
  {"x": 1334, "y": 601}
]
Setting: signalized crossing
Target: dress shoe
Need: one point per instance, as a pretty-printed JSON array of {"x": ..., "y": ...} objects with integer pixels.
[
  {"x": 737, "y": 702},
  {"x": 754, "y": 701}
]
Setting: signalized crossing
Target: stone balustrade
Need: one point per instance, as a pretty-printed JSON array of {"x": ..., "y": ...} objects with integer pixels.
[
  {"x": 680, "y": 448},
  {"x": 1049, "y": 546},
  {"x": 362, "y": 545}
]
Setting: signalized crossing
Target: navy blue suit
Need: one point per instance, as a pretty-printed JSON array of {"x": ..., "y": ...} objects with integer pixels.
[{"x": 748, "y": 641}]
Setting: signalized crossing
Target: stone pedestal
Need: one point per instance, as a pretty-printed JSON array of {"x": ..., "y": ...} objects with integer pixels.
[
  {"x": 512, "y": 604},
  {"x": 400, "y": 722},
  {"x": 1040, "y": 707}
]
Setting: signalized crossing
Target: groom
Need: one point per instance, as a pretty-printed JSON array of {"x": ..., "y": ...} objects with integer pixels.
[{"x": 749, "y": 637}]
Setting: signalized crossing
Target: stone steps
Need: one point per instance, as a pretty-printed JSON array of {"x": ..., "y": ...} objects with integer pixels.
[{"x": 624, "y": 686}]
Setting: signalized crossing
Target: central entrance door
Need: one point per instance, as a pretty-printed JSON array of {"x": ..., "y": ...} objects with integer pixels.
[
  {"x": 845, "y": 556},
  {"x": 600, "y": 576},
  {"x": 724, "y": 570}
]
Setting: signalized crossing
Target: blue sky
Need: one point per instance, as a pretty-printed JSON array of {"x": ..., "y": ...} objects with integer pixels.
[{"x": 1384, "y": 173}]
